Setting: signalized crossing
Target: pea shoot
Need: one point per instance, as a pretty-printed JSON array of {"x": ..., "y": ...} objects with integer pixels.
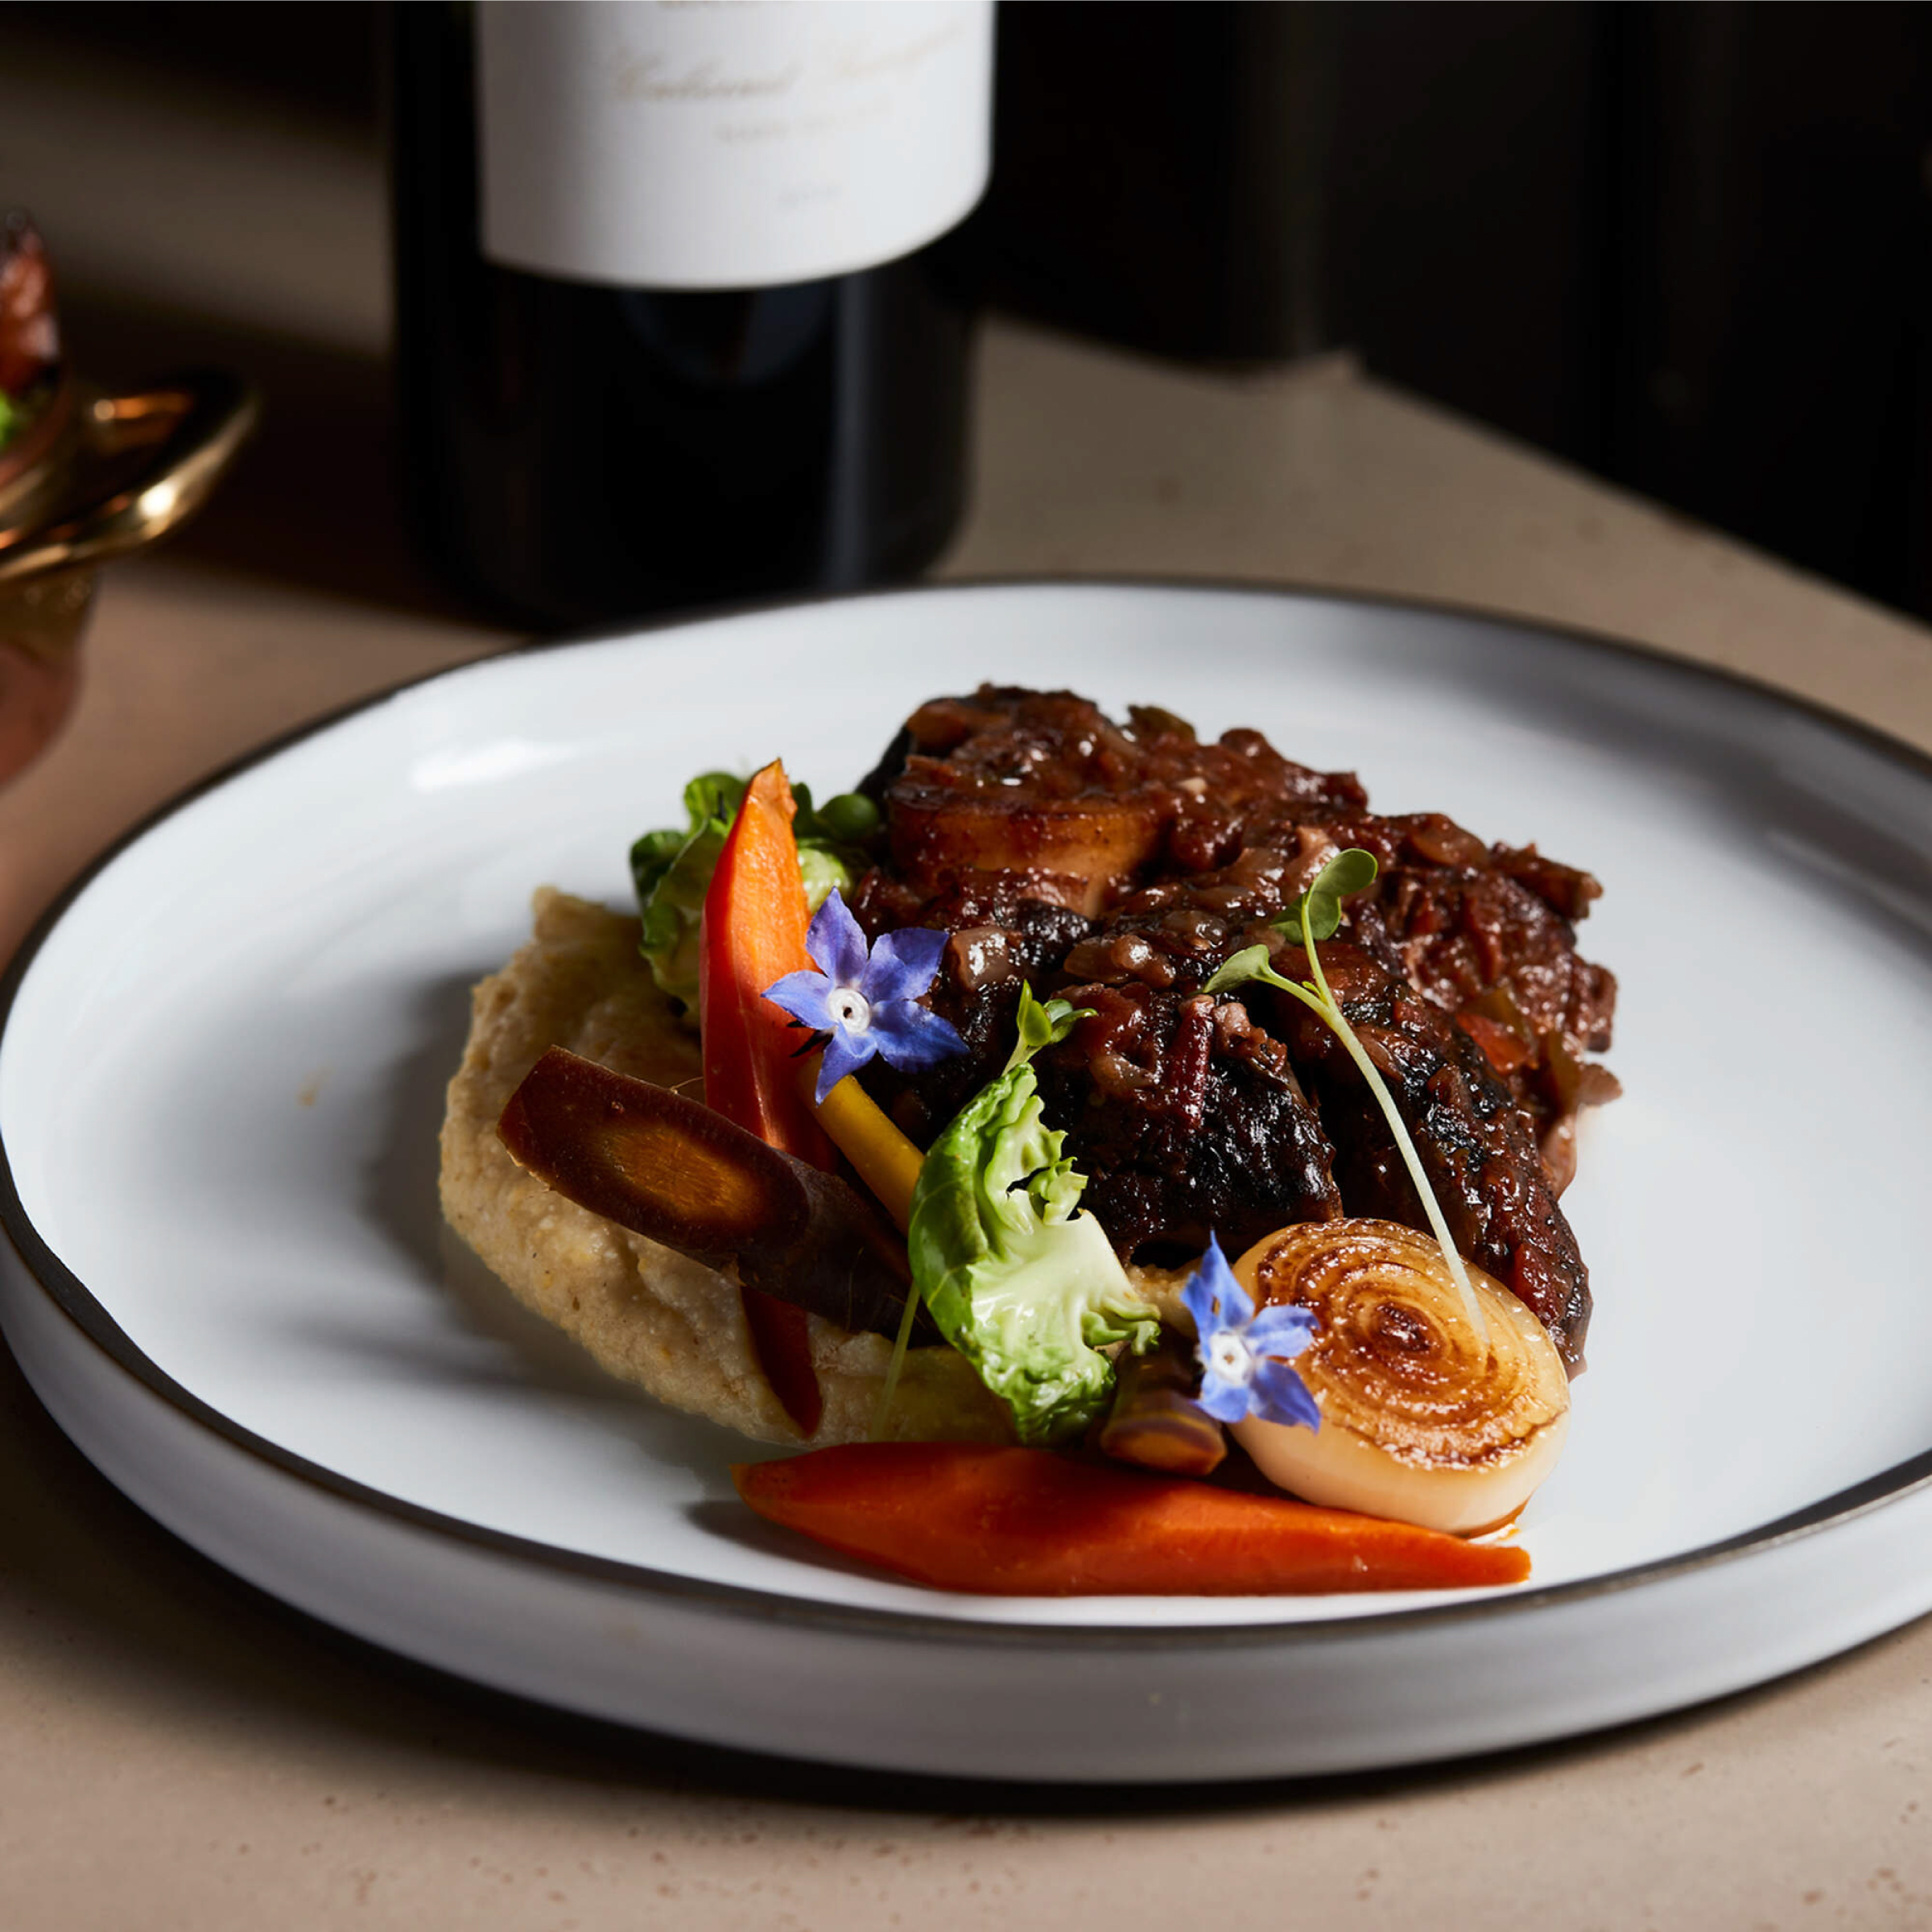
[{"x": 1317, "y": 915}]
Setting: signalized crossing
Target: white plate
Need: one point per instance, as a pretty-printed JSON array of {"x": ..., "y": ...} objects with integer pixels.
[{"x": 221, "y": 1078}]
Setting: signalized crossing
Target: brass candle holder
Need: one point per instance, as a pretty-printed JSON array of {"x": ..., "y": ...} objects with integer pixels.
[{"x": 97, "y": 475}]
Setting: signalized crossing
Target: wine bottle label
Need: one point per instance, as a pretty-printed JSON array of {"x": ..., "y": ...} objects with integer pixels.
[{"x": 728, "y": 143}]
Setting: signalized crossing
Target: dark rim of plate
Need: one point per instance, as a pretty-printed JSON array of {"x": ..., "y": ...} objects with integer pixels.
[{"x": 73, "y": 1297}]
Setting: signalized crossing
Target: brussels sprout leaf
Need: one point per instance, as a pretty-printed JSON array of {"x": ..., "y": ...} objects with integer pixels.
[{"x": 1025, "y": 1284}]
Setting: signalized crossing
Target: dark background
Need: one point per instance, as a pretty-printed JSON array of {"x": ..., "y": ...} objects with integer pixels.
[{"x": 1683, "y": 246}]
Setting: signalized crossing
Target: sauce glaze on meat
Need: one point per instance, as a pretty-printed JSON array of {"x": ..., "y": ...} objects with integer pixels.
[{"x": 1119, "y": 865}]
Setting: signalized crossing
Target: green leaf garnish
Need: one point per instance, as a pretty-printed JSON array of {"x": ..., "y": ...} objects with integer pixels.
[
  {"x": 1251, "y": 963},
  {"x": 1317, "y": 914},
  {"x": 672, "y": 869},
  {"x": 1043, "y": 1026},
  {"x": 1019, "y": 1279},
  {"x": 1314, "y": 917}
]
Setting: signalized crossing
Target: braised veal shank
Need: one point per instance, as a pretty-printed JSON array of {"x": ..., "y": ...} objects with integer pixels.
[{"x": 1120, "y": 865}]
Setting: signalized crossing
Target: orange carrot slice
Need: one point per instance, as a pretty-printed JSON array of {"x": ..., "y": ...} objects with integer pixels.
[
  {"x": 753, "y": 933},
  {"x": 1030, "y": 1522}
]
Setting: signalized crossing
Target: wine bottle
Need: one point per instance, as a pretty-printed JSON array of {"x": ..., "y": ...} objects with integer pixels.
[{"x": 683, "y": 307}]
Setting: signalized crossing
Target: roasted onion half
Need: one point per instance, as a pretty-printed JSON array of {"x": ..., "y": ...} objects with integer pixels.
[{"x": 1422, "y": 1419}]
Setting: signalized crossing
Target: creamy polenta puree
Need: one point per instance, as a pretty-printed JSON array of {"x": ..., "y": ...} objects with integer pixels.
[{"x": 646, "y": 1313}]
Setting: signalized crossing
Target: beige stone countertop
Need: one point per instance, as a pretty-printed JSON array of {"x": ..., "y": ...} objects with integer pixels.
[{"x": 177, "y": 1751}]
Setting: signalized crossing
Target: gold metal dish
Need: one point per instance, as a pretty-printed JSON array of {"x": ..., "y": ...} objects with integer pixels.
[{"x": 97, "y": 475}]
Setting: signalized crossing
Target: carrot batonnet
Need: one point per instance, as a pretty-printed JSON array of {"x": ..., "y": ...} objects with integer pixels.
[
  {"x": 1031, "y": 1522},
  {"x": 753, "y": 934},
  {"x": 886, "y": 1162}
]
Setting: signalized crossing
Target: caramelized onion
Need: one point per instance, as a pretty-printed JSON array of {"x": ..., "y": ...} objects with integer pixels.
[{"x": 1423, "y": 1419}]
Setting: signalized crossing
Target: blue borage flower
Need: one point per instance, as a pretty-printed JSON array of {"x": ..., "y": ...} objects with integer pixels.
[
  {"x": 867, "y": 998},
  {"x": 1243, "y": 1354}
]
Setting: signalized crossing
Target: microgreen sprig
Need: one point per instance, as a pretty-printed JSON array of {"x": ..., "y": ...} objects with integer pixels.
[
  {"x": 1315, "y": 916},
  {"x": 882, "y": 1408}
]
